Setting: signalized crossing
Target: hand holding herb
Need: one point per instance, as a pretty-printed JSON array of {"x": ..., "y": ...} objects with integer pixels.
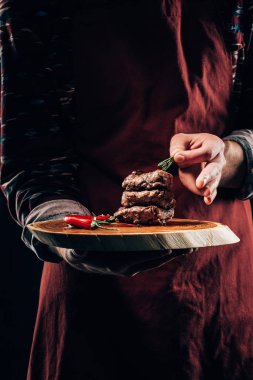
[{"x": 200, "y": 158}]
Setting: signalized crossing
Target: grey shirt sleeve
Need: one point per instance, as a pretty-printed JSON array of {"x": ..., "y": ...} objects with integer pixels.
[
  {"x": 244, "y": 137},
  {"x": 53, "y": 209}
]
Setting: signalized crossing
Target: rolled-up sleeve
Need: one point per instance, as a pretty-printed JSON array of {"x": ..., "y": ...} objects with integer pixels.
[{"x": 244, "y": 137}]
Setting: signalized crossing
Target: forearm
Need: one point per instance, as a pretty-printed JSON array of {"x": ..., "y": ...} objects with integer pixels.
[
  {"x": 38, "y": 164},
  {"x": 38, "y": 160},
  {"x": 238, "y": 173},
  {"x": 235, "y": 169}
]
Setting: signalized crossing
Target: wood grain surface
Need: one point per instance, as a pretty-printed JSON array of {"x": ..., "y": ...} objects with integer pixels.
[{"x": 178, "y": 234}]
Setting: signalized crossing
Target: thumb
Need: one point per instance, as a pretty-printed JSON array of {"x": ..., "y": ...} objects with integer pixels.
[{"x": 178, "y": 145}]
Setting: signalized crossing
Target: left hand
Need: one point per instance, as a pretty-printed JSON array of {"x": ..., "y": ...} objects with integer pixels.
[
  {"x": 119, "y": 263},
  {"x": 200, "y": 158}
]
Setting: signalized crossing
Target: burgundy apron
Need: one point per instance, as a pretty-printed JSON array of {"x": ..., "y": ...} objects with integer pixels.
[{"x": 143, "y": 73}]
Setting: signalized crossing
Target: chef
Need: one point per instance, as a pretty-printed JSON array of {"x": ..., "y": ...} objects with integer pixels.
[{"x": 91, "y": 91}]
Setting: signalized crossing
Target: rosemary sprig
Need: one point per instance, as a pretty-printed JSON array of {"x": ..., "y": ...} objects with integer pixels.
[{"x": 166, "y": 164}]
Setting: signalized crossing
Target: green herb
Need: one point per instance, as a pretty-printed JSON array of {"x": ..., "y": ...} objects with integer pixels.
[{"x": 166, "y": 164}]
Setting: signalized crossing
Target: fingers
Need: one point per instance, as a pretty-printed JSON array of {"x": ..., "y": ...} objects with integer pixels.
[
  {"x": 142, "y": 267},
  {"x": 200, "y": 158},
  {"x": 209, "y": 200},
  {"x": 210, "y": 188},
  {"x": 203, "y": 186},
  {"x": 151, "y": 264},
  {"x": 190, "y": 149},
  {"x": 117, "y": 263},
  {"x": 209, "y": 178},
  {"x": 188, "y": 178},
  {"x": 210, "y": 172},
  {"x": 195, "y": 156},
  {"x": 121, "y": 263},
  {"x": 179, "y": 143}
]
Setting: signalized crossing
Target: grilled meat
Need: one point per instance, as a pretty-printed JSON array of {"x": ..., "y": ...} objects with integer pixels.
[
  {"x": 158, "y": 179},
  {"x": 160, "y": 198},
  {"x": 149, "y": 215},
  {"x": 147, "y": 198}
]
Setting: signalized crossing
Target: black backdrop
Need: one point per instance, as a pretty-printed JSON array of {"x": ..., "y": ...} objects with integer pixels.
[{"x": 20, "y": 273}]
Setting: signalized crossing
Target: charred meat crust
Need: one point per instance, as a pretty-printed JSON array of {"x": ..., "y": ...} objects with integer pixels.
[
  {"x": 161, "y": 198},
  {"x": 158, "y": 179},
  {"x": 147, "y": 198},
  {"x": 149, "y": 215}
]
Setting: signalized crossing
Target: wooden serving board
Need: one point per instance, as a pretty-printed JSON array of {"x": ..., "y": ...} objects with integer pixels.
[{"x": 178, "y": 234}]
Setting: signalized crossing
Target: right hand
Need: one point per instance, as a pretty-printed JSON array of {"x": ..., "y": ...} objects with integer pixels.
[
  {"x": 201, "y": 160},
  {"x": 119, "y": 263}
]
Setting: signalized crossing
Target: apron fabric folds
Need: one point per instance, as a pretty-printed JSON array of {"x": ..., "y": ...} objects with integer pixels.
[{"x": 143, "y": 72}]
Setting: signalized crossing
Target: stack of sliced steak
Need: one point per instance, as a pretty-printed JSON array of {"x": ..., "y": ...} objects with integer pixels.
[{"x": 147, "y": 198}]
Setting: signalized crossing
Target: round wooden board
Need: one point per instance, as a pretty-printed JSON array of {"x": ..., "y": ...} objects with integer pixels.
[{"x": 178, "y": 234}]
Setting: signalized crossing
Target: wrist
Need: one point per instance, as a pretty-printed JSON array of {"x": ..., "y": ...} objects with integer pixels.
[{"x": 234, "y": 171}]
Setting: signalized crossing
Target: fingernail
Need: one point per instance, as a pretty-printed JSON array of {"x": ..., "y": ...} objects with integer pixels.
[
  {"x": 204, "y": 179},
  {"x": 208, "y": 200},
  {"x": 201, "y": 182},
  {"x": 179, "y": 158}
]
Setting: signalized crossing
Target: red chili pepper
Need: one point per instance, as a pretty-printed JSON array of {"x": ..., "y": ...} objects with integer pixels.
[
  {"x": 87, "y": 217},
  {"x": 68, "y": 218},
  {"x": 103, "y": 217},
  {"x": 76, "y": 221},
  {"x": 88, "y": 221}
]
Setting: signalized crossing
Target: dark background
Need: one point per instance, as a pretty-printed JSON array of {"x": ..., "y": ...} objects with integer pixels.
[{"x": 20, "y": 273}]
